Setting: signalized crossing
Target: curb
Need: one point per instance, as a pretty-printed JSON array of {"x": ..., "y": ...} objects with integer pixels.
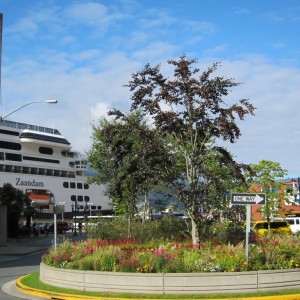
[
  {"x": 61, "y": 296},
  {"x": 53, "y": 295}
]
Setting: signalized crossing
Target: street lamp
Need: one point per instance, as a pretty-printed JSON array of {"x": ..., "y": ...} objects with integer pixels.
[
  {"x": 53, "y": 204},
  {"x": 33, "y": 102},
  {"x": 90, "y": 204},
  {"x": 75, "y": 209}
]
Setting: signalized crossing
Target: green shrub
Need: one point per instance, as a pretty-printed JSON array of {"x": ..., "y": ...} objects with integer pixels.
[
  {"x": 273, "y": 252},
  {"x": 169, "y": 228}
]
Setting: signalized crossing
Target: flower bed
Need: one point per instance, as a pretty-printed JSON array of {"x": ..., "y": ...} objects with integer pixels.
[{"x": 276, "y": 252}]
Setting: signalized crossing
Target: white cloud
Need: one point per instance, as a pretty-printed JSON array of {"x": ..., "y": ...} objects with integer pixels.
[
  {"x": 99, "y": 110},
  {"x": 87, "y": 13}
]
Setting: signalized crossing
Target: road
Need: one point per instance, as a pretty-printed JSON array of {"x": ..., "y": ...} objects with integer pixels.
[{"x": 13, "y": 267}]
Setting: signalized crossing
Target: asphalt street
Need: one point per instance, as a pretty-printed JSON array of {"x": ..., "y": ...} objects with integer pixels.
[{"x": 23, "y": 257}]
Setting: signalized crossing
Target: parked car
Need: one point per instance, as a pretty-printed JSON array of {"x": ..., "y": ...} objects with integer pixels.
[
  {"x": 294, "y": 224},
  {"x": 39, "y": 227},
  {"x": 276, "y": 226},
  {"x": 61, "y": 227}
]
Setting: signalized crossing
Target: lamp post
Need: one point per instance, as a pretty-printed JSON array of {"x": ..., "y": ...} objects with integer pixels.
[
  {"x": 53, "y": 204},
  {"x": 90, "y": 204},
  {"x": 33, "y": 102},
  {"x": 74, "y": 209}
]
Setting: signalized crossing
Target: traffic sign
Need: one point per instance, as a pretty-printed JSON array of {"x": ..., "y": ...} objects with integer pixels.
[{"x": 248, "y": 198}]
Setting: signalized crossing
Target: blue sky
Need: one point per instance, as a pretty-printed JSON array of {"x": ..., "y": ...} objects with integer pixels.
[{"x": 82, "y": 53}]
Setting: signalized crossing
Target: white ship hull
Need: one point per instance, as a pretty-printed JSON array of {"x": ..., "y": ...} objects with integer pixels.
[{"x": 39, "y": 161}]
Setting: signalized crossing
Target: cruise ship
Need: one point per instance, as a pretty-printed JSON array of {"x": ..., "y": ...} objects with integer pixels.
[{"x": 39, "y": 161}]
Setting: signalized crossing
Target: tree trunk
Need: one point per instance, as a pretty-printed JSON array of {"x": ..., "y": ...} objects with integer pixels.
[
  {"x": 195, "y": 233},
  {"x": 129, "y": 227}
]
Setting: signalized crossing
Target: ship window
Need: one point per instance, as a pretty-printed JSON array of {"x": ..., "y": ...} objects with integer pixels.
[
  {"x": 53, "y": 161},
  {"x": 72, "y": 185},
  {"x": 15, "y": 133},
  {"x": 79, "y": 185},
  {"x": 42, "y": 171},
  {"x": 10, "y": 145},
  {"x": 86, "y": 198},
  {"x": 80, "y": 198},
  {"x": 57, "y": 173},
  {"x": 66, "y": 184},
  {"x": 33, "y": 170},
  {"x": 13, "y": 156},
  {"x": 26, "y": 170},
  {"x": 17, "y": 169},
  {"x": 49, "y": 172},
  {"x": 46, "y": 150},
  {"x": 86, "y": 186},
  {"x": 8, "y": 168}
]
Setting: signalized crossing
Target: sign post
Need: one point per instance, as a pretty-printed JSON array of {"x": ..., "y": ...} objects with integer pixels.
[{"x": 248, "y": 199}]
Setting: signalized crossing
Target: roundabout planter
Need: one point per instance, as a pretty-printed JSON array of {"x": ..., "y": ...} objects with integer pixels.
[{"x": 171, "y": 283}]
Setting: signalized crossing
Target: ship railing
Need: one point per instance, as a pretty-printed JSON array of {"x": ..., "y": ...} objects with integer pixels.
[{"x": 18, "y": 125}]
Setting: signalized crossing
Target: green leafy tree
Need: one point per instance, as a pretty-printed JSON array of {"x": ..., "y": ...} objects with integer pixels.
[
  {"x": 189, "y": 111},
  {"x": 15, "y": 200},
  {"x": 130, "y": 159},
  {"x": 266, "y": 175}
]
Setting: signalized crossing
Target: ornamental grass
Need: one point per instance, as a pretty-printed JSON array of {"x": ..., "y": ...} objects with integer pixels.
[{"x": 269, "y": 253}]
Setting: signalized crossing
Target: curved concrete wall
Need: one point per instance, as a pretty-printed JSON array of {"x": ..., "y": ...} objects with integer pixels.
[{"x": 171, "y": 283}]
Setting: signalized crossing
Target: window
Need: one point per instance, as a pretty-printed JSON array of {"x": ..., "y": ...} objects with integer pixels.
[
  {"x": 80, "y": 198},
  {"x": 99, "y": 207},
  {"x": 73, "y": 198},
  {"x": 86, "y": 186},
  {"x": 13, "y": 156},
  {"x": 66, "y": 184},
  {"x": 86, "y": 198},
  {"x": 10, "y": 145},
  {"x": 15, "y": 133},
  {"x": 72, "y": 185},
  {"x": 79, "y": 185},
  {"x": 46, "y": 150},
  {"x": 53, "y": 161}
]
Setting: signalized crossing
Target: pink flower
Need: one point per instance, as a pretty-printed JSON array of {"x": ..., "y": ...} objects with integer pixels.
[
  {"x": 168, "y": 256},
  {"x": 159, "y": 251}
]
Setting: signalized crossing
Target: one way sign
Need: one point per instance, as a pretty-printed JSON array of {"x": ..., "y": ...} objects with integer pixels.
[{"x": 248, "y": 198}]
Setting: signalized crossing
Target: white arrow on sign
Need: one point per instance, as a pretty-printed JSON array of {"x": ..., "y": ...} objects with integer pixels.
[
  {"x": 250, "y": 198},
  {"x": 258, "y": 199}
]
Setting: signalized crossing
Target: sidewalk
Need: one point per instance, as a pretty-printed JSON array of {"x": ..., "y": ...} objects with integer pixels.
[{"x": 25, "y": 245}]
